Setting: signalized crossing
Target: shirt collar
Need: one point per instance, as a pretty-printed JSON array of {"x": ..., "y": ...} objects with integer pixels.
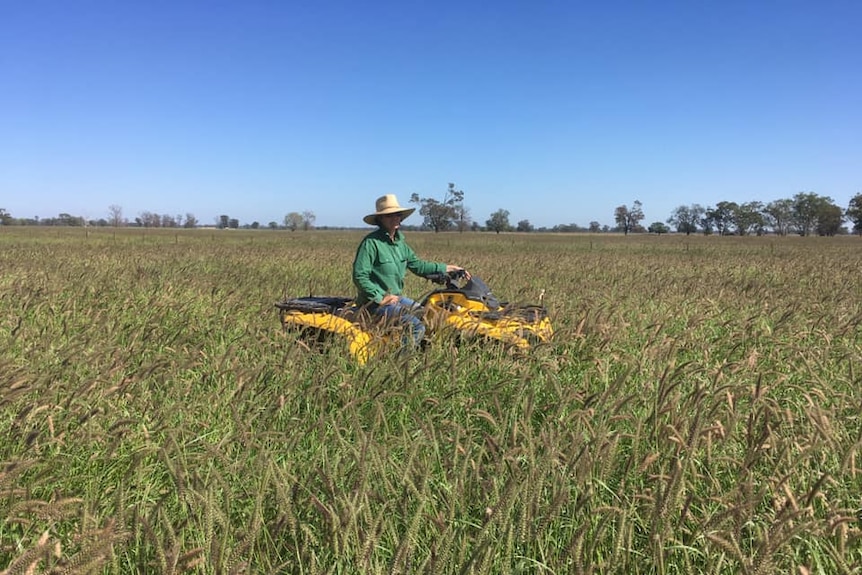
[{"x": 383, "y": 235}]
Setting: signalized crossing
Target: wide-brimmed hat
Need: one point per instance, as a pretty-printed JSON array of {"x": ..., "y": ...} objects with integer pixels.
[{"x": 387, "y": 204}]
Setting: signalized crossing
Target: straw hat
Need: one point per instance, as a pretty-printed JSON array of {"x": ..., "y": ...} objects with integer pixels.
[{"x": 387, "y": 204}]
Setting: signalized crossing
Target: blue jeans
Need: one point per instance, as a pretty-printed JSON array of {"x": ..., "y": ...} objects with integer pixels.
[{"x": 402, "y": 312}]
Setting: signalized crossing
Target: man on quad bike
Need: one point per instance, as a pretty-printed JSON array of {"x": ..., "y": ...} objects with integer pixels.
[{"x": 382, "y": 260}]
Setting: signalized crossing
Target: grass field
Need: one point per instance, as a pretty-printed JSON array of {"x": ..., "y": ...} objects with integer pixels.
[{"x": 698, "y": 411}]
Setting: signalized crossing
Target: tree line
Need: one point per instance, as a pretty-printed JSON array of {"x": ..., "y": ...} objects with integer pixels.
[
  {"x": 806, "y": 213},
  {"x": 292, "y": 221}
]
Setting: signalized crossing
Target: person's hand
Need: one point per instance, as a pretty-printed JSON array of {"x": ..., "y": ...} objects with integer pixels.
[
  {"x": 453, "y": 268},
  {"x": 390, "y": 299}
]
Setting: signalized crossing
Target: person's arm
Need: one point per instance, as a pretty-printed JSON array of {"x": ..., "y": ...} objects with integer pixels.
[{"x": 422, "y": 267}]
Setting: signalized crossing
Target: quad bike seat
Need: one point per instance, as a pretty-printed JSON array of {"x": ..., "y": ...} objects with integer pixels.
[{"x": 316, "y": 304}]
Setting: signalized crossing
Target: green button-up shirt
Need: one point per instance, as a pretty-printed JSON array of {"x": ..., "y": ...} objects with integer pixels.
[{"x": 381, "y": 264}]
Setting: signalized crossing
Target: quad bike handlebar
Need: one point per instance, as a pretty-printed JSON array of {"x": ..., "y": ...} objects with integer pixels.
[
  {"x": 473, "y": 288},
  {"x": 446, "y": 278}
]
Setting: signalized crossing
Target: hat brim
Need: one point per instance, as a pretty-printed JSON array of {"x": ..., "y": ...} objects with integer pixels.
[{"x": 371, "y": 219}]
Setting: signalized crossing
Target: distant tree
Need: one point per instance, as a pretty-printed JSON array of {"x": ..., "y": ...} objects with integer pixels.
[
  {"x": 853, "y": 213},
  {"x": 595, "y": 227},
  {"x": 499, "y": 221},
  {"x": 778, "y": 215},
  {"x": 6, "y": 218},
  {"x": 805, "y": 211},
  {"x": 566, "y": 228},
  {"x": 636, "y": 214},
  {"x": 524, "y": 226},
  {"x": 168, "y": 221},
  {"x": 255, "y": 225},
  {"x": 115, "y": 215},
  {"x": 273, "y": 225},
  {"x": 440, "y": 215},
  {"x": 621, "y": 217},
  {"x": 686, "y": 218},
  {"x": 70, "y": 220},
  {"x": 222, "y": 222},
  {"x": 308, "y": 219},
  {"x": 628, "y": 219},
  {"x": 149, "y": 220},
  {"x": 658, "y": 228},
  {"x": 474, "y": 226},
  {"x": 293, "y": 221},
  {"x": 191, "y": 221},
  {"x": 463, "y": 220},
  {"x": 749, "y": 219},
  {"x": 829, "y": 220},
  {"x": 722, "y": 217},
  {"x": 233, "y": 223}
]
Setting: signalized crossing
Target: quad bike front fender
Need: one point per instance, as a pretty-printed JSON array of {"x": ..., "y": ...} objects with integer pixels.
[{"x": 475, "y": 326}]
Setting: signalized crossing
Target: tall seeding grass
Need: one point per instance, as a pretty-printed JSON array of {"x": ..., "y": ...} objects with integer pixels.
[{"x": 698, "y": 411}]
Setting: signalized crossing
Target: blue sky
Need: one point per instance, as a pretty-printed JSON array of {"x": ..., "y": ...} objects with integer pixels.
[{"x": 557, "y": 111}]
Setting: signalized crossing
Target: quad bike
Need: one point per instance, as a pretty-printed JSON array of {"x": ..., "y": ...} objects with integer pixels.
[{"x": 466, "y": 308}]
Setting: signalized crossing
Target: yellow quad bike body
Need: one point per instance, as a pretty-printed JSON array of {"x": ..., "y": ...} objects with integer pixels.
[{"x": 468, "y": 310}]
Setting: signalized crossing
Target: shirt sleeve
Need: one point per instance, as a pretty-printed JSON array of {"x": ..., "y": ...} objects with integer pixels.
[
  {"x": 422, "y": 267},
  {"x": 362, "y": 267}
]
